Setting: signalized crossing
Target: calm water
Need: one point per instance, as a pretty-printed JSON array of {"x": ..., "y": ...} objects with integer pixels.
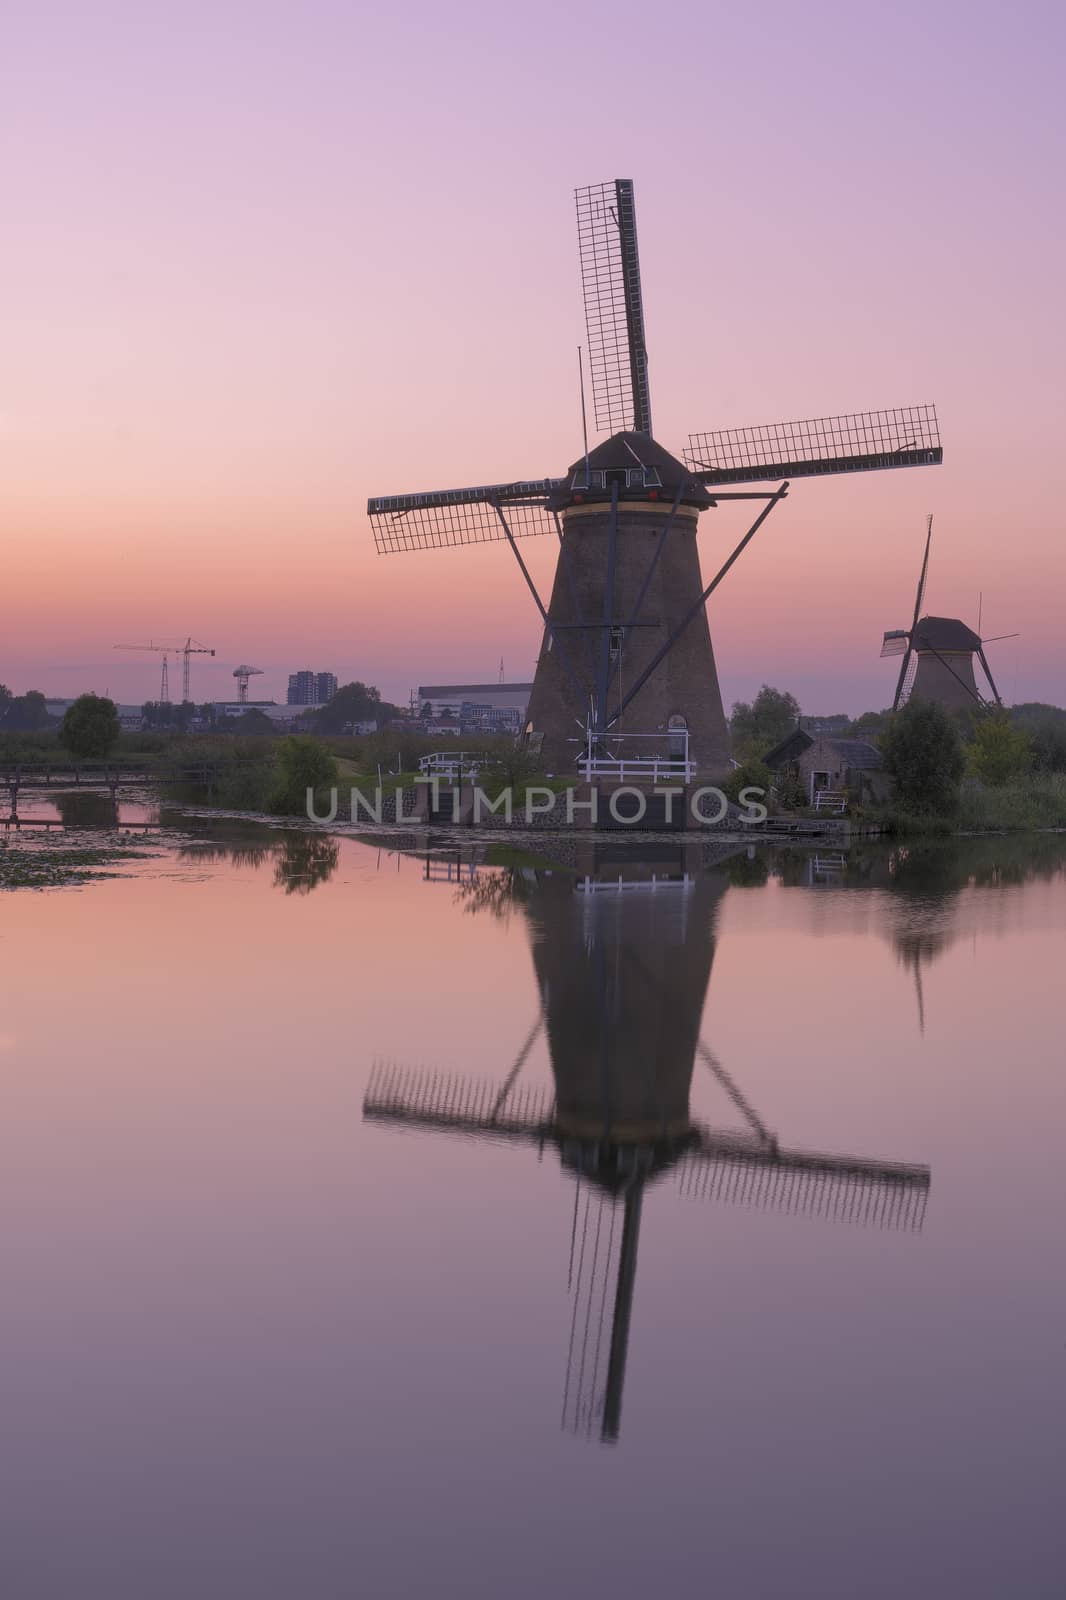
[{"x": 640, "y": 1222}]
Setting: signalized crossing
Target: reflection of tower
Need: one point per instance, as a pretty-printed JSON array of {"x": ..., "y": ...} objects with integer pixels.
[
  {"x": 623, "y": 959},
  {"x": 623, "y": 952}
]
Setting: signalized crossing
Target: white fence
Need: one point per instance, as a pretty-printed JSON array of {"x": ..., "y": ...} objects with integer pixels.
[
  {"x": 673, "y": 766},
  {"x": 451, "y": 764}
]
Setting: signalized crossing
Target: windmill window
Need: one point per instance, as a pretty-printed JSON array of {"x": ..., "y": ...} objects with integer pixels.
[{"x": 617, "y": 637}]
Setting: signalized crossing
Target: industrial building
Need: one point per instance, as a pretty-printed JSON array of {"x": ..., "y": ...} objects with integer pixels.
[{"x": 481, "y": 705}]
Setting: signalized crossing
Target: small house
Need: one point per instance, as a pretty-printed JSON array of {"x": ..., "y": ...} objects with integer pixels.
[{"x": 842, "y": 766}]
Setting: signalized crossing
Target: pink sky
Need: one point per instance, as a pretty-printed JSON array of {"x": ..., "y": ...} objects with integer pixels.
[{"x": 262, "y": 261}]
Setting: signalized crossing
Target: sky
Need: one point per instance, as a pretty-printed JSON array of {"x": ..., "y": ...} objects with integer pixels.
[{"x": 262, "y": 261}]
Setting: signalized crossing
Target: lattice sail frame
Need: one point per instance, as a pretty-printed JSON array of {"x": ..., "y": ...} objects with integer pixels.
[
  {"x": 614, "y": 306},
  {"x": 446, "y": 517},
  {"x": 858, "y": 441},
  {"x": 730, "y": 1168}
]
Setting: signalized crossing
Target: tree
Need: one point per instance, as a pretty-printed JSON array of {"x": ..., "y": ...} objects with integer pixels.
[
  {"x": 999, "y": 751},
  {"x": 871, "y": 722},
  {"x": 90, "y": 726},
  {"x": 758, "y": 726},
  {"x": 354, "y": 702},
  {"x": 1046, "y": 727},
  {"x": 304, "y": 764},
  {"x": 251, "y": 721},
  {"x": 923, "y": 752},
  {"x": 26, "y": 713}
]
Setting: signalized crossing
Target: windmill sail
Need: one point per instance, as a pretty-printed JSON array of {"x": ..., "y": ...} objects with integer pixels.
[
  {"x": 905, "y": 681},
  {"x": 441, "y": 517},
  {"x": 860, "y": 441},
  {"x": 614, "y": 308},
  {"x": 719, "y": 1165}
]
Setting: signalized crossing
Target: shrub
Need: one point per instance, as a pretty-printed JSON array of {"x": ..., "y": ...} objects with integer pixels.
[
  {"x": 999, "y": 751},
  {"x": 303, "y": 764},
  {"x": 923, "y": 752},
  {"x": 749, "y": 775}
]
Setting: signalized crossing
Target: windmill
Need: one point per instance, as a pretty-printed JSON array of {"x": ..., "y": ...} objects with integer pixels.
[
  {"x": 242, "y": 674},
  {"x": 623, "y": 954},
  {"x": 626, "y": 663},
  {"x": 938, "y": 654}
]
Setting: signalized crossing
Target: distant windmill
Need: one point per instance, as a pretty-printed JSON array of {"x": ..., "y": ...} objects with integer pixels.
[
  {"x": 626, "y": 656},
  {"x": 938, "y": 654},
  {"x": 242, "y": 674}
]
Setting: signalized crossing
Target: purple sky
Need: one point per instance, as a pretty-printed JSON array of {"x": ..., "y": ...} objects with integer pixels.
[{"x": 263, "y": 261}]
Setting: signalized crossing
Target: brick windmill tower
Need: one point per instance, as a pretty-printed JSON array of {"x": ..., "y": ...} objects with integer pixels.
[{"x": 626, "y": 671}]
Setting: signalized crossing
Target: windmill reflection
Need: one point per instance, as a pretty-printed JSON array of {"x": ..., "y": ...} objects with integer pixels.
[{"x": 623, "y": 950}]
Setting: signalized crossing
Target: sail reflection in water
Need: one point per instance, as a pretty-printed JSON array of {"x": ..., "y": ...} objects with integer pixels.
[{"x": 623, "y": 950}]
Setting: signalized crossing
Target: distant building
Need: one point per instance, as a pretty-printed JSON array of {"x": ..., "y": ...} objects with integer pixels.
[
  {"x": 488, "y": 705},
  {"x": 837, "y": 725},
  {"x": 311, "y": 688},
  {"x": 282, "y": 716}
]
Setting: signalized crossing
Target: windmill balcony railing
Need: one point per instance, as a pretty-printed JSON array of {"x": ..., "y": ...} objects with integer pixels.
[
  {"x": 657, "y": 768},
  {"x": 674, "y": 766}
]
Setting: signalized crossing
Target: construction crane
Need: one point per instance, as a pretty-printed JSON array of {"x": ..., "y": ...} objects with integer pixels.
[
  {"x": 242, "y": 674},
  {"x": 191, "y": 647},
  {"x": 167, "y": 650}
]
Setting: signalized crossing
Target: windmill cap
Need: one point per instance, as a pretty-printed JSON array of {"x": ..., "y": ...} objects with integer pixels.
[
  {"x": 944, "y": 633},
  {"x": 626, "y": 451}
]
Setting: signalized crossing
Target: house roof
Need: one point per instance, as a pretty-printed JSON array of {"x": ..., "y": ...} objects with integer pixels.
[
  {"x": 858, "y": 754},
  {"x": 789, "y": 748},
  {"x": 944, "y": 633}
]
